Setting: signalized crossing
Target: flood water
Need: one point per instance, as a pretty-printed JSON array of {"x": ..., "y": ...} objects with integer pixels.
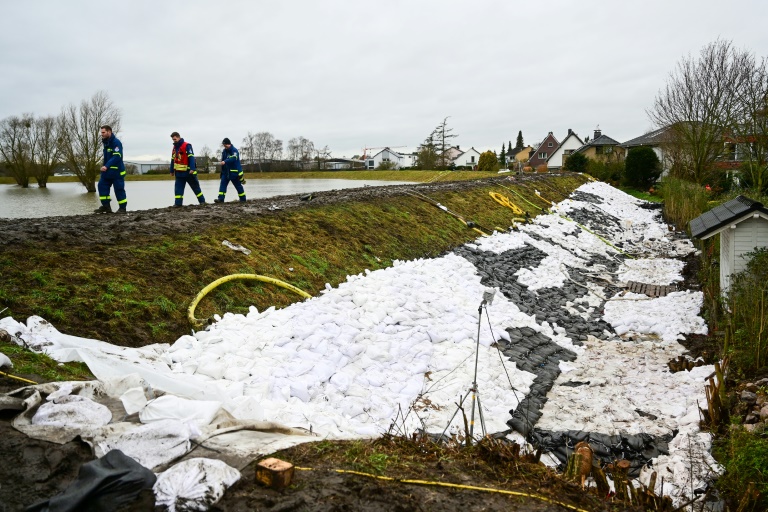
[{"x": 72, "y": 199}]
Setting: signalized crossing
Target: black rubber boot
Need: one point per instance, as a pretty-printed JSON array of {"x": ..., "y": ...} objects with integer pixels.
[
  {"x": 122, "y": 210},
  {"x": 218, "y": 200},
  {"x": 103, "y": 209}
]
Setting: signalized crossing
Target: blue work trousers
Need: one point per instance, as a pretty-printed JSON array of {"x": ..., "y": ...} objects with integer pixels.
[
  {"x": 112, "y": 178},
  {"x": 234, "y": 177},
  {"x": 182, "y": 179}
]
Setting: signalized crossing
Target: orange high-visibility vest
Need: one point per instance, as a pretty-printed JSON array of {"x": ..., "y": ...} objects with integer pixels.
[{"x": 180, "y": 158}]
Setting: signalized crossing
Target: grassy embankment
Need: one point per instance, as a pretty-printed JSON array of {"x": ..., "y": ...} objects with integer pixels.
[
  {"x": 136, "y": 292},
  {"x": 740, "y": 325}
]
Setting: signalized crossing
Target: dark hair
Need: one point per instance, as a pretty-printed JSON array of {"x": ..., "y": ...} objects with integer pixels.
[
  {"x": 175, "y": 134},
  {"x": 226, "y": 141},
  {"x": 107, "y": 127}
]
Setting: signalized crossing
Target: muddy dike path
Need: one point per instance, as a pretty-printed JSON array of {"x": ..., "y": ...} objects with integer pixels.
[{"x": 129, "y": 279}]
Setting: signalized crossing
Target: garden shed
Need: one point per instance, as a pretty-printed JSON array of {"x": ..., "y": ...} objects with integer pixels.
[{"x": 743, "y": 227}]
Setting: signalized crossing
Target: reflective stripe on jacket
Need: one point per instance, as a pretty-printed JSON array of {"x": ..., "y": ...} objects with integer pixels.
[
  {"x": 182, "y": 157},
  {"x": 113, "y": 154}
]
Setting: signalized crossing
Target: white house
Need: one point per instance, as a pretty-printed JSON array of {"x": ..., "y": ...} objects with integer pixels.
[
  {"x": 400, "y": 160},
  {"x": 743, "y": 227},
  {"x": 571, "y": 143},
  {"x": 468, "y": 158}
]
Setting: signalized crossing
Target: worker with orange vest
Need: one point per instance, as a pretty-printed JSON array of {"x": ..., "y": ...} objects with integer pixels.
[{"x": 184, "y": 168}]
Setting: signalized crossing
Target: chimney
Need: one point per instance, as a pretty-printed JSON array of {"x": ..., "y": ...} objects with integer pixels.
[
  {"x": 597, "y": 133},
  {"x": 570, "y": 131}
]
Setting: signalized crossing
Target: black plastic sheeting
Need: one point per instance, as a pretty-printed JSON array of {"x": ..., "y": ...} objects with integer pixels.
[
  {"x": 102, "y": 485},
  {"x": 536, "y": 353}
]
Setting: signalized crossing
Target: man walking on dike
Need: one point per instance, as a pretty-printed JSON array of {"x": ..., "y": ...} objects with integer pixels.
[
  {"x": 112, "y": 173},
  {"x": 231, "y": 170},
  {"x": 183, "y": 166}
]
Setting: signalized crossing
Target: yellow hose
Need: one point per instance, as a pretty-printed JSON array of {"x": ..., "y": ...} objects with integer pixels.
[
  {"x": 551, "y": 203},
  {"x": 521, "y": 197},
  {"x": 454, "y": 486},
  {"x": 18, "y": 378},
  {"x": 504, "y": 201},
  {"x": 253, "y": 277}
]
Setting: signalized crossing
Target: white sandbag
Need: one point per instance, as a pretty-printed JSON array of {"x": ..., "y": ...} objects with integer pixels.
[
  {"x": 151, "y": 445},
  {"x": 170, "y": 407},
  {"x": 5, "y": 362},
  {"x": 194, "y": 484},
  {"x": 133, "y": 400},
  {"x": 72, "y": 411}
]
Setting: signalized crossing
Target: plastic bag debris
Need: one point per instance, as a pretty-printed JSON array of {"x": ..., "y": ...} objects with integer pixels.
[
  {"x": 194, "y": 484},
  {"x": 105, "y": 484},
  {"x": 5, "y": 362},
  {"x": 236, "y": 247}
]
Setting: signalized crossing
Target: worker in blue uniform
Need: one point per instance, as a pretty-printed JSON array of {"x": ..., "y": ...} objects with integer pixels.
[
  {"x": 231, "y": 170},
  {"x": 112, "y": 173},
  {"x": 184, "y": 168}
]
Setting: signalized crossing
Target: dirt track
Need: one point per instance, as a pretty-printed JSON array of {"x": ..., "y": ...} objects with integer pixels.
[{"x": 106, "y": 229}]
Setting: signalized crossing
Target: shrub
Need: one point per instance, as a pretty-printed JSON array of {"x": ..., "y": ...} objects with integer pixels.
[
  {"x": 488, "y": 162},
  {"x": 745, "y": 458},
  {"x": 576, "y": 162},
  {"x": 642, "y": 167},
  {"x": 609, "y": 172},
  {"x": 748, "y": 302},
  {"x": 386, "y": 165},
  {"x": 683, "y": 201},
  {"x": 754, "y": 176},
  {"x": 159, "y": 170},
  {"x": 542, "y": 168}
]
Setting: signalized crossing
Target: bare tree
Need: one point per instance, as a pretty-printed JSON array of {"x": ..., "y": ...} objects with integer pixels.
[
  {"x": 699, "y": 104},
  {"x": 276, "y": 150},
  {"x": 80, "y": 143},
  {"x": 46, "y": 135},
  {"x": 441, "y": 138},
  {"x": 263, "y": 147},
  {"x": 321, "y": 156},
  {"x": 750, "y": 132},
  {"x": 300, "y": 151},
  {"x": 17, "y": 147},
  {"x": 248, "y": 149},
  {"x": 206, "y": 160}
]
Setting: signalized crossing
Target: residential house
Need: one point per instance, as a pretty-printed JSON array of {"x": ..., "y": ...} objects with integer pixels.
[
  {"x": 542, "y": 153},
  {"x": 655, "y": 140},
  {"x": 602, "y": 147},
  {"x": 467, "y": 159},
  {"x": 400, "y": 160},
  {"x": 571, "y": 143}
]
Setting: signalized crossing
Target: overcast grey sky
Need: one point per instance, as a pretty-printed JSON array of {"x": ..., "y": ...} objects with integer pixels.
[{"x": 354, "y": 73}]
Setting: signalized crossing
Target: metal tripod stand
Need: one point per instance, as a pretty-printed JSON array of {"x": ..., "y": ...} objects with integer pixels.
[{"x": 487, "y": 300}]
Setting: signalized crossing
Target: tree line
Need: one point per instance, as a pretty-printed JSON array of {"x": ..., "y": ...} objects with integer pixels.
[{"x": 32, "y": 147}]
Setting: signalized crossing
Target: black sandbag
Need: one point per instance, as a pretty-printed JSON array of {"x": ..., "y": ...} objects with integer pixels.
[{"x": 102, "y": 485}]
